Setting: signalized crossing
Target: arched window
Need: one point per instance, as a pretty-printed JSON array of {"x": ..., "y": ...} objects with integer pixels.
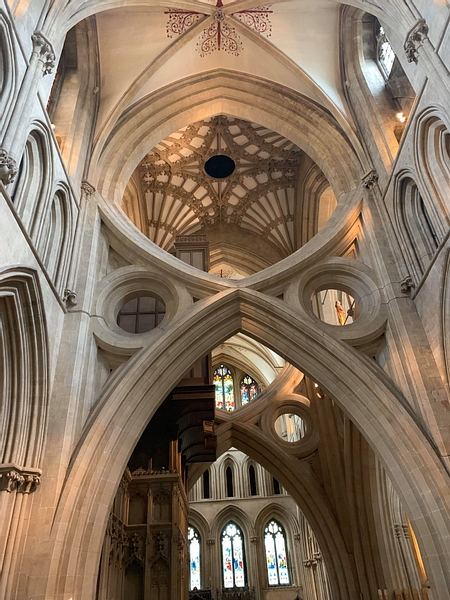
[
  {"x": 206, "y": 492},
  {"x": 233, "y": 559},
  {"x": 141, "y": 314},
  {"x": 276, "y": 557},
  {"x": 252, "y": 479},
  {"x": 223, "y": 380},
  {"x": 194, "y": 558},
  {"x": 385, "y": 53},
  {"x": 249, "y": 389},
  {"x": 229, "y": 476}
]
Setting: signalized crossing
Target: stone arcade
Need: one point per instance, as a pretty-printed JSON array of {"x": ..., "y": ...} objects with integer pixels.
[{"x": 225, "y": 300}]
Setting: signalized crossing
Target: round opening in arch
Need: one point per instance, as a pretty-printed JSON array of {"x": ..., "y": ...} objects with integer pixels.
[
  {"x": 335, "y": 307},
  {"x": 141, "y": 314},
  {"x": 290, "y": 428},
  {"x": 220, "y": 166}
]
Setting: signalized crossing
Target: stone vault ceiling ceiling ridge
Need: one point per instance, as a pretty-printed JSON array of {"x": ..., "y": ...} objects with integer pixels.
[{"x": 258, "y": 196}]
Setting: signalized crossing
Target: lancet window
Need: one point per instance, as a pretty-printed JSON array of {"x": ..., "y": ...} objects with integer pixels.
[
  {"x": 233, "y": 558},
  {"x": 276, "y": 557},
  {"x": 249, "y": 389},
  {"x": 194, "y": 558},
  {"x": 223, "y": 380},
  {"x": 386, "y": 54}
]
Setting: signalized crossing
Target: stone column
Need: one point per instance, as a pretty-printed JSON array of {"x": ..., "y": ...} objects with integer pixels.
[
  {"x": 42, "y": 62},
  {"x": 16, "y": 485}
]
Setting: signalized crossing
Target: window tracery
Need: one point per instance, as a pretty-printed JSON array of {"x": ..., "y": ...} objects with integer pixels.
[
  {"x": 223, "y": 381},
  {"x": 276, "y": 557},
  {"x": 249, "y": 389},
  {"x": 194, "y": 558},
  {"x": 233, "y": 559}
]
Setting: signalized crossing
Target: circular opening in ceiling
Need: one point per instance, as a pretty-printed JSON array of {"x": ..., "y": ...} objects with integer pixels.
[
  {"x": 220, "y": 166},
  {"x": 290, "y": 428}
]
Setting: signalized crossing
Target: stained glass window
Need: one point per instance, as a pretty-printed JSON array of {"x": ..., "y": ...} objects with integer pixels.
[
  {"x": 276, "y": 558},
  {"x": 194, "y": 558},
  {"x": 249, "y": 389},
  {"x": 233, "y": 564},
  {"x": 223, "y": 380}
]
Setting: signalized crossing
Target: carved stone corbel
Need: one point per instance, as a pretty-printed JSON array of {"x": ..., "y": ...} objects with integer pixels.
[
  {"x": 406, "y": 285},
  {"x": 43, "y": 48},
  {"x": 8, "y": 167},
  {"x": 370, "y": 179},
  {"x": 70, "y": 298},
  {"x": 16, "y": 479},
  {"x": 415, "y": 40},
  {"x": 87, "y": 188}
]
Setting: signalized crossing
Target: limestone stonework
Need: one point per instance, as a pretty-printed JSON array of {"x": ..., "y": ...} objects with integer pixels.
[{"x": 327, "y": 281}]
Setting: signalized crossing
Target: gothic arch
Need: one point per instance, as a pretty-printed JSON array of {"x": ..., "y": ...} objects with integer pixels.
[
  {"x": 56, "y": 236},
  {"x": 432, "y": 156},
  {"x": 31, "y": 191},
  {"x": 7, "y": 69},
  {"x": 124, "y": 407},
  {"x": 416, "y": 230},
  {"x": 23, "y": 338},
  {"x": 157, "y": 115}
]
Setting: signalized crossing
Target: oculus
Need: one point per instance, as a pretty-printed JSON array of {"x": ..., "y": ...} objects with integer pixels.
[
  {"x": 220, "y": 166},
  {"x": 290, "y": 428}
]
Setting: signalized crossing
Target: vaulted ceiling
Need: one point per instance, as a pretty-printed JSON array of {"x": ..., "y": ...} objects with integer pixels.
[
  {"x": 144, "y": 48},
  {"x": 252, "y": 211},
  {"x": 259, "y": 195}
]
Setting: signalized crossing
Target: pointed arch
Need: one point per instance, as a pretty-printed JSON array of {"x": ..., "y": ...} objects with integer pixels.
[
  {"x": 355, "y": 383},
  {"x": 31, "y": 190},
  {"x": 7, "y": 69},
  {"x": 24, "y": 356}
]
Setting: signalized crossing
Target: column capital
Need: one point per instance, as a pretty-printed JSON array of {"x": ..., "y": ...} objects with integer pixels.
[
  {"x": 18, "y": 479},
  {"x": 43, "y": 48},
  {"x": 415, "y": 39}
]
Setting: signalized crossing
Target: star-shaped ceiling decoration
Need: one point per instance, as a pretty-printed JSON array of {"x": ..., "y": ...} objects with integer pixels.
[
  {"x": 258, "y": 195},
  {"x": 220, "y": 34}
]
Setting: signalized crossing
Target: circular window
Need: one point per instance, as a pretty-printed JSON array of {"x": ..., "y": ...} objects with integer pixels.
[
  {"x": 141, "y": 314},
  {"x": 290, "y": 427},
  {"x": 335, "y": 307},
  {"x": 220, "y": 166}
]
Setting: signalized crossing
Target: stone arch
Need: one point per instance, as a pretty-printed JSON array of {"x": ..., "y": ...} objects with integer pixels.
[
  {"x": 7, "y": 69},
  {"x": 23, "y": 338},
  {"x": 56, "y": 236},
  {"x": 416, "y": 229},
  {"x": 432, "y": 150},
  {"x": 358, "y": 385},
  {"x": 155, "y": 117},
  {"x": 31, "y": 190},
  {"x": 372, "y": 106},
  {"x": 291, "y": 529}
]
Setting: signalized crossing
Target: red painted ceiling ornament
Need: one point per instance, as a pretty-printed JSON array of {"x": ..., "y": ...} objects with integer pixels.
[{"x": 220, "y": 34}]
